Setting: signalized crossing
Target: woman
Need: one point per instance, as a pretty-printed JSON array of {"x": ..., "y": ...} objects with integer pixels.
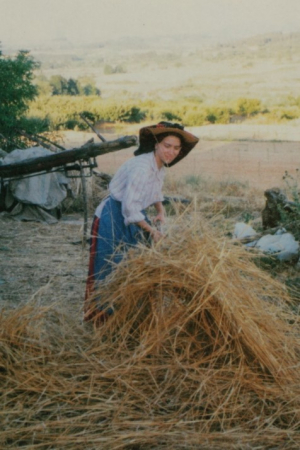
[{"x": 120, "y": 220}]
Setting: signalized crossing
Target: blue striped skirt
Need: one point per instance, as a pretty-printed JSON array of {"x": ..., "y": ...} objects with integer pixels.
[{"x": 110, "y": 239}]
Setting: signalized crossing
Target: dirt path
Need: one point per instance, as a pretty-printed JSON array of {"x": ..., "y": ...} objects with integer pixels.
[{"x": 41, "y": 262}]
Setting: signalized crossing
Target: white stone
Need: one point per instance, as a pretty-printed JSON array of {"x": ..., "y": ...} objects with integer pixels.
[
  {"x": 283, "y": 246},
  {"x": 242, "y": 230}
]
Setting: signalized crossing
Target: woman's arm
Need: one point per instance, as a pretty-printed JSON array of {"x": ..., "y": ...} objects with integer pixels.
[
  {"x": 154, "y": 233},
  {"x": 160, "y": 217}
]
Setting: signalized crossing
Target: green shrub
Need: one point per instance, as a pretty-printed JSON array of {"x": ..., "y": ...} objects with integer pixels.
[
  {"x": 194, "y": 118},
  {"x": 291, "y": 219},
  {"x": 109, "y": 70},
  {"x": 279, "y": 114},
  {"x": 167, "y": 115},
  {"x": 63, "y": 111},
  {"x": 218, "y": 115},
  {"x": 248, "y": 106},
  {"x": 35, "y": 125},
  {"x": 290, "y": 113}
]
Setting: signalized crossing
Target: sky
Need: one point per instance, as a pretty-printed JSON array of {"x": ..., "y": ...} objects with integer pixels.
[{"x": 25, "y": 22}]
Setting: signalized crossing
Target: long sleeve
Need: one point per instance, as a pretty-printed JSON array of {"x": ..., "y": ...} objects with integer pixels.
[
  {"x": 133, "y": 198},
  {"x": 137, "y": 185}
]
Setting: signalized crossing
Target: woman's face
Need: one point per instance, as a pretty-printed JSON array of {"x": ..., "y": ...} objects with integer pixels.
[{"x": 167, "y": 150}]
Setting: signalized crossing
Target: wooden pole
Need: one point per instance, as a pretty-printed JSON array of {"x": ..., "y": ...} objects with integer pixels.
[
  {"x": 46, "y": 163},
  {"x": 85, "y": 205},
  {"x": 93, "y": 128},
  {"x": 41, "y": 140}
]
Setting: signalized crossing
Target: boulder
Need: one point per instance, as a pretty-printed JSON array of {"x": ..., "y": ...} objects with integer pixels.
[
  {"x": 243, "y": 230},
  {"x": 276, "y": 203},
  {"x": 283, "y": 246}
]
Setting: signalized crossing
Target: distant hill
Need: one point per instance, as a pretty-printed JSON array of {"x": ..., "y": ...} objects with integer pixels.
[
  {"x": 184, "y": 66},
  {"x": 267, "y": 45},
  {"x": 61, "y": 53}
]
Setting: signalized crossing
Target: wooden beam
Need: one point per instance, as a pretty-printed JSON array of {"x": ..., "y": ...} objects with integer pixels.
[{"x": 46, "y": 163}]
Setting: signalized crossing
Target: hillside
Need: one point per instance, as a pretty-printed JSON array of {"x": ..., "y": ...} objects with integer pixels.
[{"x": 265, "y": 67}]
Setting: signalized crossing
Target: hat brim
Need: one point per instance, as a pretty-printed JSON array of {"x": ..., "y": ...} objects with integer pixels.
[{"x": 148, "y": 140}]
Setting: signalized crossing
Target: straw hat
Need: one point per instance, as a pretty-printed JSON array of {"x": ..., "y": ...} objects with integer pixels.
[{"x": 147, "y": 138}]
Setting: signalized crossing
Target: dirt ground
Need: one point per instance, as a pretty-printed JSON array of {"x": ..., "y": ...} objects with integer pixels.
[
  {"x": 48, "y": 263},
  {"x": 43, "y": 263},
  {"x": 257, "y": 163},
  {"x": 224, "y": 153}
]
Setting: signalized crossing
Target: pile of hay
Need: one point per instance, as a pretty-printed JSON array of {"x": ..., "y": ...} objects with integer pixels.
[{"x": 202, "y": 352}]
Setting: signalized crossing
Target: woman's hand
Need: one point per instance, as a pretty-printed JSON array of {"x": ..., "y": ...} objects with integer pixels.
[
  {"x": 156, "y": 235},
  {"x": 160, "y": 217}
]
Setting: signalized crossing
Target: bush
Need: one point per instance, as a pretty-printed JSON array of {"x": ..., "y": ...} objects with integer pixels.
[
  {"x": 167, "y": 115},
  {"x": 248, "y": 106},
  {"x": 278, "y": 114},
  {"x": 109, "y": 70},
  {"x": 35, "y": 125},
  {"x": 64, "y": 111},
  {"x": 61, "y": 86},
  {"x": 218, "y": 115},
  {"x": 290, "y": 218}
]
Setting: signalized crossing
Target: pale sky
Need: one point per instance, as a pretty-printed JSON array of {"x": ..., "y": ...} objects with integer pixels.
[{"x": 31, "y": 21}]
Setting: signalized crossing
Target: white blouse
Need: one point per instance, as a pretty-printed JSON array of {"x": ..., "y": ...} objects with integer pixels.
[{"x": 137, "y": 185}]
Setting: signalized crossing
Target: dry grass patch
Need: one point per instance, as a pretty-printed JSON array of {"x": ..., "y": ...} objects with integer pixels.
[{"x": 202, "y": 352}]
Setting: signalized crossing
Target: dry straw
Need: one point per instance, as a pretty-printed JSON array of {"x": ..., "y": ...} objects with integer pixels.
[{"x": 202, "y": 352}]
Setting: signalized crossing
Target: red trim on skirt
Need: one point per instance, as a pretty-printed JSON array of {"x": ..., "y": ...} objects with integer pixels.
[
  {"x": 91, "y": 313},
  {"x": 90, "y": 282}
]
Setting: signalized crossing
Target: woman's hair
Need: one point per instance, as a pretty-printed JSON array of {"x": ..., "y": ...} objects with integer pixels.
[
  {"x": 148, "y": 146},
  {"x": 162, "y": 136}
]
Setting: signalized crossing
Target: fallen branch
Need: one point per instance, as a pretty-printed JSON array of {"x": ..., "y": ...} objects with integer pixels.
[
  {"x": 93, "y": 128},
  {"x": 40, "y": 140},
  {"x": 46, "y": 163}
]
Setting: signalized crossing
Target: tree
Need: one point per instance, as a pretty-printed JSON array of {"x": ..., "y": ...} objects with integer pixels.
[
  {"x": 16, "y": 91},
  {"x": 62, "y": 86},
  {"x": 43, "y": 85},
  {"x": 88, "y": 86},
  {"x": 59, "y": 85},
  {"x": 90, "y": 89},
  {"x": 73, "y": 88}
]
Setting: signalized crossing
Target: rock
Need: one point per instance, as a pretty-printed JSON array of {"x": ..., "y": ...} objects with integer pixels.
[
  {"x": 276, "y": 203},
  {"x": 283, "y": 246},
  {"x": 242, "y": 230},
  {"x": 2, "y": 154}
]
